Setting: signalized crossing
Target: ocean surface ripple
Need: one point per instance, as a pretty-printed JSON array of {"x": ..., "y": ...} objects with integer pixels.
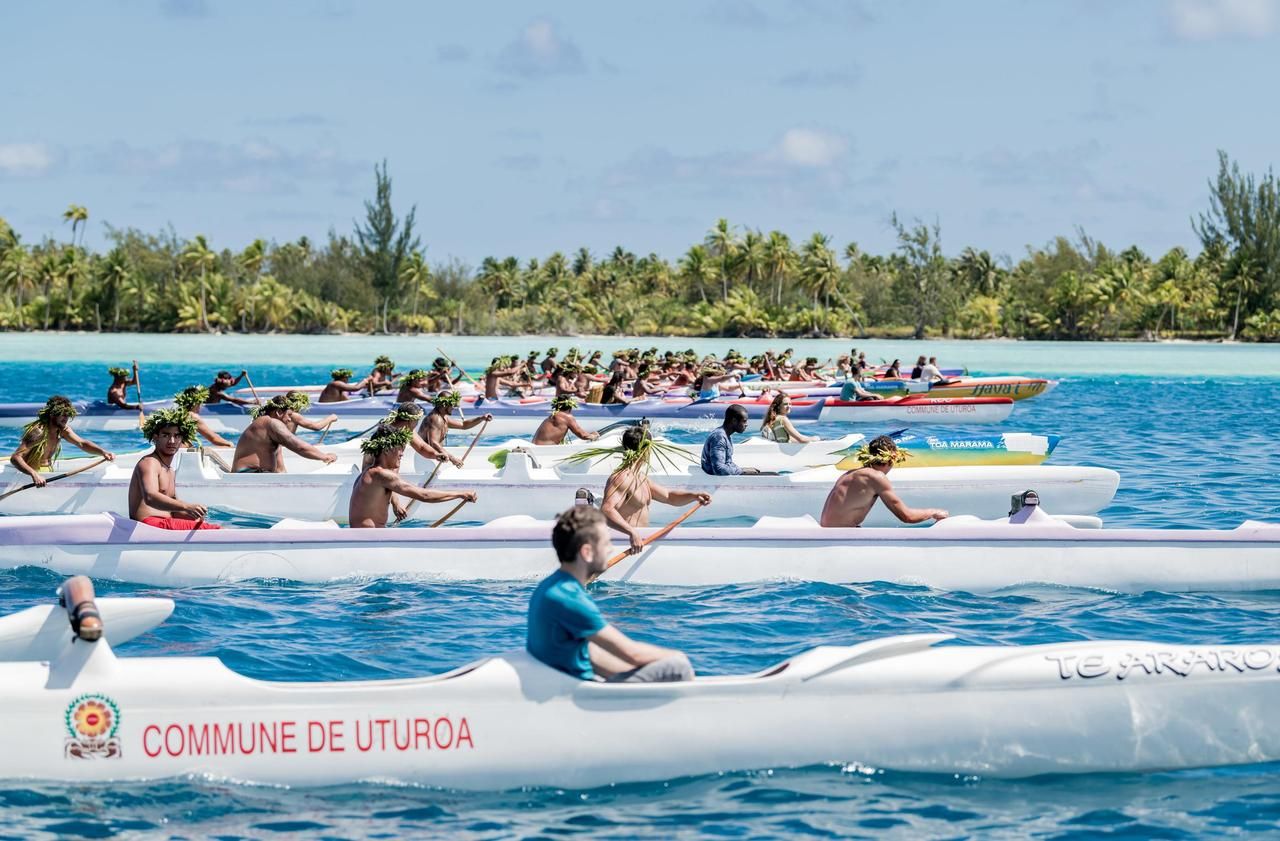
[{"x": 1193, "y": 452}]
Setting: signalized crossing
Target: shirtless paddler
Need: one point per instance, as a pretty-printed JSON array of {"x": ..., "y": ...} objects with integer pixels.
[
  {"x": 379, "y": 482},
  {"x": 258, "y": 449},
  {"x": 856, "y": 491},
  {"x": 153, "y": 492},
  {"x": 630, "y": 491}
]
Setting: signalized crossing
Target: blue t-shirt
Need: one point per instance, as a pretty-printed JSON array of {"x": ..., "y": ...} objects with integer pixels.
[{"x": 561, "y": 617}]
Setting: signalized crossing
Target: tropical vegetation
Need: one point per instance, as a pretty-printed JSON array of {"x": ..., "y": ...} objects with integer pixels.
[{"x": 737, "y": 282}]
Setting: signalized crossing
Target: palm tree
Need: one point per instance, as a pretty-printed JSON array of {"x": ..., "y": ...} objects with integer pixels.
[
  {"x": 198, "y": 255},
  {"x": 779, "y": 262},
  {"x": 583, "y": 262},
  {"x": 979, "y": 272},
  {"x": 77, "y": 215},
  {"x": 751, "y": 258},
  {"x": 15, "y": 275},
  {"x": 416, "y": 274},
  {"x": 820, "y": 271},
  {"x": 722, "y": 244},
  {"x": 113, "y": 274},
  {"x": 698, "y": 270}
]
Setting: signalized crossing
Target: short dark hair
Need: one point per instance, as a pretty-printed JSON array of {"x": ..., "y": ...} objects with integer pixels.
[
  {"x": 736, "y": 411},
  {"x": 574, "y": 529},
  {"x": 224, "y": 375},
  {"x": 634, "y": 436}
]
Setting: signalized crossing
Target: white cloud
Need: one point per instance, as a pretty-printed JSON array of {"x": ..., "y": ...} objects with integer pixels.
[
  {"x": 540, "y": 51},
  {"x": 250, "y": 166},
  {"x": 810, "y": 148},
  {"x": 1206, "y": 20},
  {"x": 25, "y": 159}
]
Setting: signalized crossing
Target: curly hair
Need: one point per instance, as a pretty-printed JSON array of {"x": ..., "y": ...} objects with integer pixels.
[
  {"x": 882, "y": 450},
  {"x": 574, "y": 529}
]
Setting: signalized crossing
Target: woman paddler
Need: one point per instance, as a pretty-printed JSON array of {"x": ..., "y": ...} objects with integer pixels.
[
  {"x": 778, "y": 427},
  {"x": 379, "y": 482},
  {"x": 153, "y": 491},
  {"x": 42, "y": 440}
]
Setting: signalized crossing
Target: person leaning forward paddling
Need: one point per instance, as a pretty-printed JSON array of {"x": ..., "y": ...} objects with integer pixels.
[
  {"x": 153, "y": 490},
  {"x": 436, "y": 425},
  {"x": 379, "y": 482},
  {"x": 629, "y": 491},
  {"x": 42, "y": 439},
  {"x": 258, "y": 449},
  {"x": 567, "y": 630},
  {"x": 555, "y": 428},
  {"x": 854, "y": 493},
  {"x": 120, "y": 381}
]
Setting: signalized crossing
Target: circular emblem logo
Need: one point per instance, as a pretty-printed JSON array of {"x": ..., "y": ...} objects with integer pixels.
[{"x": 93, "y": 718}]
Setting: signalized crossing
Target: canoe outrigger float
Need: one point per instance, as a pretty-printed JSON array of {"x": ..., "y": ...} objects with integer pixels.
[
  {"x": 523, "y": 485},
  {"x": 75, "y": 712},
  {"x": 961, "y": 553}
]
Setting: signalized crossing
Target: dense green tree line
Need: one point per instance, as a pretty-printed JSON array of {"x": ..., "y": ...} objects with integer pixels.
[{"x": 736, "y": 282}]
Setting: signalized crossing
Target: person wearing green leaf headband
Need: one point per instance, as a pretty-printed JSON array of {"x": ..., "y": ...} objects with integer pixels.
[
  {"x": 258, "y": 450},
  {"x": 435, "y": 426},
  {"x": 629, "y": 491},
  {"x": 190, "y": 400},
  {"x": 557, "y": 426},
  {"x": 413, "y": 386},
  {"x": 42, "y": 439},
  {"x": 120, "y": 380},
  {"x": 374, "y": 492},
  {"x": 339, "y": 386},
  {"x": 857, "y": 490},
  {"x": 299, "y": 402},
  {"x": 499, "y": 375},
  {"x": 153, "y": 490}
]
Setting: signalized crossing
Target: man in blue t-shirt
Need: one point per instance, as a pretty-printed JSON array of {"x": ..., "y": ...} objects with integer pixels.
[{"x": 567, "y": 630}]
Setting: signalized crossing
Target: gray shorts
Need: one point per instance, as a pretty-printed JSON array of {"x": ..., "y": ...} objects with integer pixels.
[{"x": 667, "y": 670}]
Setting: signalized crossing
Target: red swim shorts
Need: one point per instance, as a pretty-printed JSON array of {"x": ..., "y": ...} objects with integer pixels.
[{"x": 176, "y": 524}]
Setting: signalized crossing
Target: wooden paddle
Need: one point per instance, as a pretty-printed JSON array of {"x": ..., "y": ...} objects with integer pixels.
[
  {"x": 456, "y": 365},
  {"x": 657, "y": 535},
  {"x": 413, "y": 503},
  {"x": 90, "y": 466},
  {"x": 137, "y": 383},
  {"x": 252, "y": 390},
  {"x": 325, "y": 431},
  {"x": 453, "y": 511}
]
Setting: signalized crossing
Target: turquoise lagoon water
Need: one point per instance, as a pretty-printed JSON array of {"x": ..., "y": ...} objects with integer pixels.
[{"x": 1191, "y": 428}]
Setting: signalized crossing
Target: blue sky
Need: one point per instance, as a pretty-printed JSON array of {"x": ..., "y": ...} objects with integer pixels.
[{"x": 522, "y": 128}]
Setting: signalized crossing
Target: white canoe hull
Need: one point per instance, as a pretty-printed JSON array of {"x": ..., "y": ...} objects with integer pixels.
[
  {"x": 968, "y": 556},
  {"x": 917, "y": 411},
  {"x": 543, "y": 492},
  {"x": 508, "y": 722}
]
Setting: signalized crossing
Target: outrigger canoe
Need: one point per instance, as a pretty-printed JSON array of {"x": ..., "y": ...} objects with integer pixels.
[
  {"x": 76, "y": 712},
  {"x": 510, "y": 416},
  {"x": 1010, "y": 448},
  {"x": 523, "y": 485},
  {"x": 961, "y": 553},
  {"x": 513, "y": 416}
]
